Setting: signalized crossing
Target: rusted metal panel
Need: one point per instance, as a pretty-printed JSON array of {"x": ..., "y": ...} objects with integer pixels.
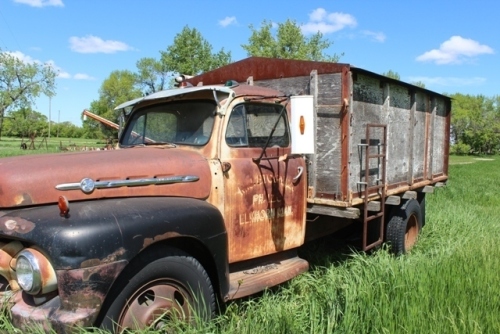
[
  {"x": 32, "y": 180},
  {"x": 261, "y": 208},
  {"x": 264, "y": 69},
  {"x": 86, "y": 288},
  {"x": 253, "y": 276},
  {"x": 264, "y": 205}
]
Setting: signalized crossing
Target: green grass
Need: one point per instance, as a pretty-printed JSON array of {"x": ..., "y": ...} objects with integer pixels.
[
  {"x": 12, "y": 146},
  {"x": 447, "y": 284}
]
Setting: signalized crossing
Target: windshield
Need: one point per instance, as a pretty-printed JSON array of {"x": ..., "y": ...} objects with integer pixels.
[{"x": 184, "y": 123}]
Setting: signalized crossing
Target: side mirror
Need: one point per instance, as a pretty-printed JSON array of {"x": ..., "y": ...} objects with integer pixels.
[{"x": 302, "y": 124}]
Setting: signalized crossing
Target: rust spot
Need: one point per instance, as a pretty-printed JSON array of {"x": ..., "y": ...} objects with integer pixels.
[
  {"x": 23, "y": 199},
  {"x": 150, "y": 241},
  {"x": 113, "y": 257},
  {"x": 87, "y": 288},
  {"x": 10, "y": 225}
]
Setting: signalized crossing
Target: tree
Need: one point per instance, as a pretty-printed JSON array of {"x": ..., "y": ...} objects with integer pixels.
[
  {"x": 288, "y": 43},
  {"x": 25, "y": 122},
  {"x": 21, "y": 83},
  {"x": 152, "y": 75},
  {"x": 392, "y": 74},
  {"x": 191, "y": 54},
  {"x": 475, "y": 121},
  {"x": 418, "y": 83},
  {"x": 119, "y": 87}
]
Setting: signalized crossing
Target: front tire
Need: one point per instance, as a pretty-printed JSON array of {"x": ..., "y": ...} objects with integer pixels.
[
  {"x": 172, "y": 286},
  {"x": 404, "y": 226}
]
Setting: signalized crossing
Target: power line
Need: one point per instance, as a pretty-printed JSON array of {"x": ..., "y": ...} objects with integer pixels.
[{"x": 11, "y": 32}]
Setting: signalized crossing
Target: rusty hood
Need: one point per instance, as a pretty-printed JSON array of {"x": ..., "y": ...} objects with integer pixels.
[{"x": 132, "y": 172}]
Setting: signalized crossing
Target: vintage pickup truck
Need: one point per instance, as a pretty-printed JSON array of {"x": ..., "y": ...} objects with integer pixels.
[{"x": 214, "y": 186}]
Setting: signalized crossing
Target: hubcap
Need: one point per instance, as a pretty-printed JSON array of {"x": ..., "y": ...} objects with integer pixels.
[{"x": 155, "y": 303}]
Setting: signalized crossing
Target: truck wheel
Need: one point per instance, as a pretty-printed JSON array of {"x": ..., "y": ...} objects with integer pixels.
[
  {"x": 404, "y": 227},
  {"x": 173, "y": 286}
]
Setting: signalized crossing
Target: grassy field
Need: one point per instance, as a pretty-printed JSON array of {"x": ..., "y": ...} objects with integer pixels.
[
  {"x": 447, "y": 284},
  {"x": 12, "y": 146}
]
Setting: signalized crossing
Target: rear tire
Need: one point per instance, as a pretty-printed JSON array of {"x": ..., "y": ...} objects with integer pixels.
[
  {"x": 173, "y": 286},
  {"x": 404, "y": 227}
]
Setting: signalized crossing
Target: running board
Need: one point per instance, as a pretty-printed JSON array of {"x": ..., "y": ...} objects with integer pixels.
[{"x": 260, "y": 276}]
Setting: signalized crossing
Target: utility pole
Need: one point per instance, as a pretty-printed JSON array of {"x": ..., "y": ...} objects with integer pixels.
[
  {"x": 50, "y": 100},
  {"x": 58, "y": 122}
]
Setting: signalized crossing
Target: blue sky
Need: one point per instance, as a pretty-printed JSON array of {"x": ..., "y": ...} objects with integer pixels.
[{"x": 451, "y": 46}]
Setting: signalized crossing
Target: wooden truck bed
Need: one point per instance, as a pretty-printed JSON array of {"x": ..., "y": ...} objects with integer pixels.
[{"x": 403, "y": 129}]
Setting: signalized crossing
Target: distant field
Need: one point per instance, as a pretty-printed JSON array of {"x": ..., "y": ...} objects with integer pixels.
[
  {"x": 12, "y": 146},
  {"x": 447, "y": 284}
]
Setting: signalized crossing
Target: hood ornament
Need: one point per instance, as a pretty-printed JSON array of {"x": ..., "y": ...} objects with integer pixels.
[{"x": 88, "y": 185}]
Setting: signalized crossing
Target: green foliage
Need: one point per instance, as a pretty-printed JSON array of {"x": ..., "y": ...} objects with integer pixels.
[
  {"x": 392, "y": 74},
  {"x": 460, "y": 149},
  {"x": 24, "y": 123},
  {"x": 119, "y": 87},
  {"x": 475, "y": 122},
  {"x": 152, "y": 75},
  {"x": 288, "y": 43},
  {"x": 21, "y": 83},
  {"x": 418, "y": 83},
  {"x": 191, "y": 54}
]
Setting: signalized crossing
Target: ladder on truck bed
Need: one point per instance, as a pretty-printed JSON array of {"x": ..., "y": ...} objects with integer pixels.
[{"x": 374, "y": 206}]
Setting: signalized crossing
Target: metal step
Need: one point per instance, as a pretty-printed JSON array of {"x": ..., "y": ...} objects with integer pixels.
[{"x": 255, "y": 278}]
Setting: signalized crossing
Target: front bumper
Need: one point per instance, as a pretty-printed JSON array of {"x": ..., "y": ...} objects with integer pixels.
[
  {"x": 80, "y": 296},
  {"x": 50, "y": 316}
]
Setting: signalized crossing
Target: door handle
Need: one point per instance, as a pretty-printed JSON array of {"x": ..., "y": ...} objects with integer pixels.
[{"x": 300, "y": 170}]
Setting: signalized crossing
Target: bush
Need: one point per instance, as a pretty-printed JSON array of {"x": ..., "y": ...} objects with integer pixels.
[{"x": 460, "y": 149}]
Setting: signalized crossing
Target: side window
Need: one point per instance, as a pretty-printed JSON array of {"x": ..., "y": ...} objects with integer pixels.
[
  {"x": 250, "y": 125},
  {"x": 236, "y": 134}
]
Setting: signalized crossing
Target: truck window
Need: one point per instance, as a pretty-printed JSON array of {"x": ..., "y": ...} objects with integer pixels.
[
  {"x": 184, "y": 123},
  {"x": 250, "y": 124}
]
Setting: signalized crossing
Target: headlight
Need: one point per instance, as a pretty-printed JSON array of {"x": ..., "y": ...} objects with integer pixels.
[
  {"x": 34, "y": 272},
  {"x": 28, "y": 273}
]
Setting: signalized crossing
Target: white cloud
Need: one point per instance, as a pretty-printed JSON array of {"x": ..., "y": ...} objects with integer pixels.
[
  {"x": 376, "y": 36},
  {"x": 456, "y": 50},
  {"x": 41, "y": 3},
  {"x": 227, "y": 21},
  {"x": 22, "y": 57},
  {"x": 61, "y": 74},
  {"x": 93, "y": 44},
  {"x": 322, "y": 21},
  {"x": 449, "y": 81},
  {"x": 82, "y": 76}
]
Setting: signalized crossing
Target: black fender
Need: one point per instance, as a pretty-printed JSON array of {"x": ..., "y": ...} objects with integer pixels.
[{"x": 109, "y": 230}]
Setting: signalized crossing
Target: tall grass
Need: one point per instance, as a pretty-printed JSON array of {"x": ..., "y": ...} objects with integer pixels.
[{"x": 447, "y": 284}]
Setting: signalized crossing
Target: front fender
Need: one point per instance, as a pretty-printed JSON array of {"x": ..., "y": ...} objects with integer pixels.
[{"x": 109, "y": 230}]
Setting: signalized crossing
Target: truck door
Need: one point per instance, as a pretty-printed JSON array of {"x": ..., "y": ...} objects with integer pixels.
[{"x": 264, "y": 199}]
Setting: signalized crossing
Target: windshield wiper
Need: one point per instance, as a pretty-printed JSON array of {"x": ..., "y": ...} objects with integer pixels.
[{"x": 159, "y": 143}]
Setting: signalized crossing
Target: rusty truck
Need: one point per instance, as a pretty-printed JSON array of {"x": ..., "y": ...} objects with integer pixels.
[{"x": 213, "y": 188}]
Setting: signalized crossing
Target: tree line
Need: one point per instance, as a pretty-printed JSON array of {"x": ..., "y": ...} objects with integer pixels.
[{"x": 475, "y": 119}]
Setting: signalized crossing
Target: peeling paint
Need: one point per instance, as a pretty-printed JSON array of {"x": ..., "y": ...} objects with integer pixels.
[
  {"x": 10, "y": 225},
  {"x": 150, "y": 241}
]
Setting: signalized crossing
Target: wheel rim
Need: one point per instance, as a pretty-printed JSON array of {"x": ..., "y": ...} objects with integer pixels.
[
  {"x": 411, "y": 233},
  {"x": 155, "y": 303}
]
